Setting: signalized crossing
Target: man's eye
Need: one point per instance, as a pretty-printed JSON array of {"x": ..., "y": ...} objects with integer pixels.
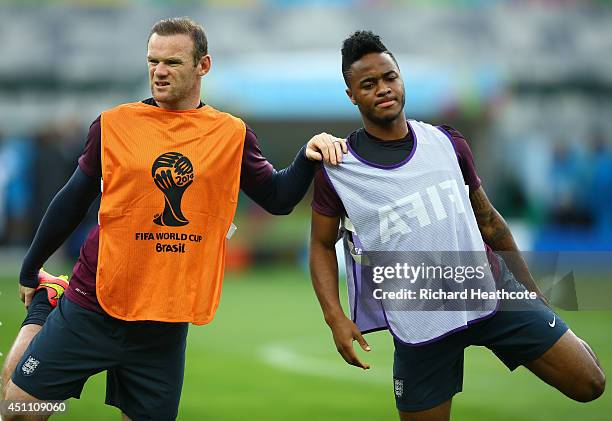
[{"x": 367, "y": 86}]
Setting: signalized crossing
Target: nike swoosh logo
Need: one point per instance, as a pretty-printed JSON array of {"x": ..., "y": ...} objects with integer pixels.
[{"x": 554, "y": 321}]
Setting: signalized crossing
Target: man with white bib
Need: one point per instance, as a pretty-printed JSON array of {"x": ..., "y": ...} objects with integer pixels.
[{"x": 416, "y": 222}]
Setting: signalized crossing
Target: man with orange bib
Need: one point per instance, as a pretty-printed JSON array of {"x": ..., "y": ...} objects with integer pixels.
[{"x": 171, "y": 169}]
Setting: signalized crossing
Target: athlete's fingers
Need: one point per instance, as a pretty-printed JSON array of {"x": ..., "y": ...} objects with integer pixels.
[
  {"x": 357, "y": 363},
  {"x": 338, "y": 145},
  {"x": 28, "y": 300},
  {"x": 349, "y": 355},
  {"x": 334, "y": 149},
  {"x": 345, "y": 352},
  {"x": 364, "y": 345},
  {"x": 331, "y": 150},
  {"x": 324, "y": 148},
  {"x": 314, "y": 156},
  {"x": 327, "y": 148},
  {"x": 354, "y": 360},
  {"x": 345, "y": 332},
  {"x": 313, "y": 151},
  {"x": 26, "y": 294}
]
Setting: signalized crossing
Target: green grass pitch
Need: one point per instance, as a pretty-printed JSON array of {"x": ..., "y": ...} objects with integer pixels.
[{"x": 269, "y": 356}]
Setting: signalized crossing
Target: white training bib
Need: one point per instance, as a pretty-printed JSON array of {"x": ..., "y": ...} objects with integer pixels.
[{"x": 420, "y": 205}]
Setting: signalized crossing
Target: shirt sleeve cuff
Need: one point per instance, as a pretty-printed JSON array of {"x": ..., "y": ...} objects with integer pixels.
[{"x": 27, "y": 279}]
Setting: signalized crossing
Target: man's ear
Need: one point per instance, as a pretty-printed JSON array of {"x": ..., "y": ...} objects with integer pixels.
[
  {"x": 349, "y": 93},
  {"x": 204, "y": 64}
]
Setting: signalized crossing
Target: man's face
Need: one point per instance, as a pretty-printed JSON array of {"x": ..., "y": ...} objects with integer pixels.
[
  {"x": 376, "y": 87},
  {"x": 172, "y": 73}
]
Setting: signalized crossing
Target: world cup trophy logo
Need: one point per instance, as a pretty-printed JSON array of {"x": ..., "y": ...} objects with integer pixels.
[{"x": 172, "y": 173}]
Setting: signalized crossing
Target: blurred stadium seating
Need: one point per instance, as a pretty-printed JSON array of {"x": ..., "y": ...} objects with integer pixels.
[{"x": 528, "y": 82}]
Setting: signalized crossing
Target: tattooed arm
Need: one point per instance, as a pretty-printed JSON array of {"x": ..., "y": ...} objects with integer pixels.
[{"x": 497, "y": 235}]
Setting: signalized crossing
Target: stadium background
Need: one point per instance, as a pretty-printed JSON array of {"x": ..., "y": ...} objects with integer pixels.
[{"x": 528, "y": 82}]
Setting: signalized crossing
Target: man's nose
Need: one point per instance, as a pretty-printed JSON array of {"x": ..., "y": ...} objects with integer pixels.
[
  {"x": 383, "y": 89},
  {"x": 161, "y": 69}
]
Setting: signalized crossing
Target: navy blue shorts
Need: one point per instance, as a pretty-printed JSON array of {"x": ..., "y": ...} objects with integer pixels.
[
  {"x": 429, "y": 375},
  {"x": 144, "y": 361}
]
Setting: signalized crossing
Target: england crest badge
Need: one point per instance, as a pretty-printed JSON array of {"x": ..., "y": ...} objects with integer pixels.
[
  {"x": 29, "y": 366},
  {"x": 398, "y": 387}
]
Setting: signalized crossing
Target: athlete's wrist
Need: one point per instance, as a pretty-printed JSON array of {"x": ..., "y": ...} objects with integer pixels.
[
  {"x": 303, "y": 156},
  {"x": 332, "y": 318}
]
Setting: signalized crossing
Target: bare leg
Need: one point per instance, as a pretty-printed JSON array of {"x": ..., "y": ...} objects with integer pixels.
[
  {"x": 571, "y": 367},
  {"x": 15, "y": 393},
  {"x": 38, "y": 311},
  {"x": 439, "y": 413},
  {"x": 24, "y": 337},
  {"x": 125, "y": 417}
]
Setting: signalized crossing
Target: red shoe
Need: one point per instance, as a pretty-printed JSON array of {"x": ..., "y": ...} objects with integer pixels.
[{"x": 55, "y": 286}]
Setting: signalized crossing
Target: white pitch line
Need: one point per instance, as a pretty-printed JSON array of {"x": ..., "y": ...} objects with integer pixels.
[{"x": 283, "y": 357}]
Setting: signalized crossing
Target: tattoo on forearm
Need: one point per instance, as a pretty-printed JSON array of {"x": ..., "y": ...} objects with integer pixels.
[
  {"x": 494, "y": 229},
  {"x": 497, "y": 235}
]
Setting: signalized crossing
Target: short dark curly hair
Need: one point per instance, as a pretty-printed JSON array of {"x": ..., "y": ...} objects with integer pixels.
[{"x": 358, "y": 45}]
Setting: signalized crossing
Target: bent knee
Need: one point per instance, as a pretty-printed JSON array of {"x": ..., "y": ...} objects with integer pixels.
[
  {"x": 590, "y": 388},
  {"x": 12, "y": 392},
  {"x": 598, "y": 385}
]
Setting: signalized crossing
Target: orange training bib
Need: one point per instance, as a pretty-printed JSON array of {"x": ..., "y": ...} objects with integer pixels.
[{"x": 171, "y": 182}]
